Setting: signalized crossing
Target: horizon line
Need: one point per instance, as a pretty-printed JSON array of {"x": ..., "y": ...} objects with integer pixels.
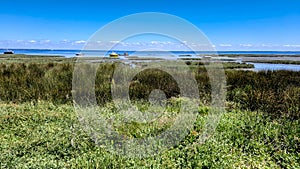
[{"x": 151, "y": 51}]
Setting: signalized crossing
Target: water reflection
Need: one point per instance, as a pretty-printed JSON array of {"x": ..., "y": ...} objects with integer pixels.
[{"x": 274, "y": 67}]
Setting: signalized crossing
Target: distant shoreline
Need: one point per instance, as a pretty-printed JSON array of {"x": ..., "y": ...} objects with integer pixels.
[{"x": 73, "y": 52}]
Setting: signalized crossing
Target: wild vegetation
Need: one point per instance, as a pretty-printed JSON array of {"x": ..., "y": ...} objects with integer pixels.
[
  {"x": 39, "y": 126},
  {"x": 45, "y": 135},
  {"x": 226, "y": 65},
  {"x": 273, "y": 92}
]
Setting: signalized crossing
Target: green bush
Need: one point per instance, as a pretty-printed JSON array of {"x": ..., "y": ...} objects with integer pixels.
[{"x": 273, "y": 92}]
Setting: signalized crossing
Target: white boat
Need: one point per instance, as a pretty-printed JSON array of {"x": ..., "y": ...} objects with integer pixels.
[
  {"x": 207, "y": 57},
  {"x": 8, "y": 52}
]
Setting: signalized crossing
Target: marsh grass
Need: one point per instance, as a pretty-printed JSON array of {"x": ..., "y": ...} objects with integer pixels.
[
  {"x": 274, "y": 92},
  {"x": 194, "y": 64},
  {"x": 40, "y": 129}
]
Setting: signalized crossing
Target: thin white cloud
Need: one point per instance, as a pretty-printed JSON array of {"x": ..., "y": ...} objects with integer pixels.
[
  {"x": 167, "y": 43},
  {"x": 80, "y": 42},
  {"x": 225, "y": 45},
  {"x": 32, "y": 41},
  {"x": 114, "y": 41},
  {"x": 246, "y": 45},
  {"x": 155, "y": 42},
  {"x": 45, "y": 41},
  {"x": 292, "y": 46},
  {"x": 267, "y": 45},
  {"x": 161, "y": 45}
]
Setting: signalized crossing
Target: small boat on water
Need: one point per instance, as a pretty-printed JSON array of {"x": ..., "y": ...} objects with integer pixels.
[
  {"x": 207, "y": 57},
  {"x": 79, "y": 54},
  {"x": 8, "y": 52},
  {"x": 113, "y": 55}
]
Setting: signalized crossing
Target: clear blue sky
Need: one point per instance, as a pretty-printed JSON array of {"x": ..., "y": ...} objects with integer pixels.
[{"x": 229, "y": 24}]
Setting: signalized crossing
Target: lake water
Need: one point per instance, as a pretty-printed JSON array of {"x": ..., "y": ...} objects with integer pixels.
[
  {"x": 71, "y": 53},
  {"x": 274, "y": 67},
  {"x": 175, "y": 54}
]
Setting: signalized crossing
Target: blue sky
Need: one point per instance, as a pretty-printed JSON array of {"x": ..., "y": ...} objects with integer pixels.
[{"x": 229, "y": 24}]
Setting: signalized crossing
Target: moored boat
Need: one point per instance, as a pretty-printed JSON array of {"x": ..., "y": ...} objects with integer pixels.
[
  {"x": 113, "y": 55},
  {"x": 79, "y": 54},
  {"x": 8, "y": 52}
]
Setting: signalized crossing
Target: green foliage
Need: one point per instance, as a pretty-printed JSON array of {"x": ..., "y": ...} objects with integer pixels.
[
  {"x": 226, "y": 65},
  {"x": 233, "y": 65},
  {"x": 21, "y": 82},
  {"x": 275, "y": 93},
  {"x": 45, "y": 135},
  {"x": 39, "y": 127}
]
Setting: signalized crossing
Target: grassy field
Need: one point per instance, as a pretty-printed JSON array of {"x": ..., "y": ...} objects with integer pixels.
[
  {"x": 276, "y": 93},
  {"x": 226, "y": 65},
  {"x": 44, "y": 135},
  {"x": 40, "y": 127}
]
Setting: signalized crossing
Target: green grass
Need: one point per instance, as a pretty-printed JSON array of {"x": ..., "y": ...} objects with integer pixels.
[
  {"x": 273, "y": 92},
  {"x": 23, "y": 56},
  {"x": 226, "y": 65},
  {"x": 29, "y": 59},
  {"x": 232, "y": 65},
  {"x": 39, "y": 126},
  {"x": 44, "y": 135}
]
